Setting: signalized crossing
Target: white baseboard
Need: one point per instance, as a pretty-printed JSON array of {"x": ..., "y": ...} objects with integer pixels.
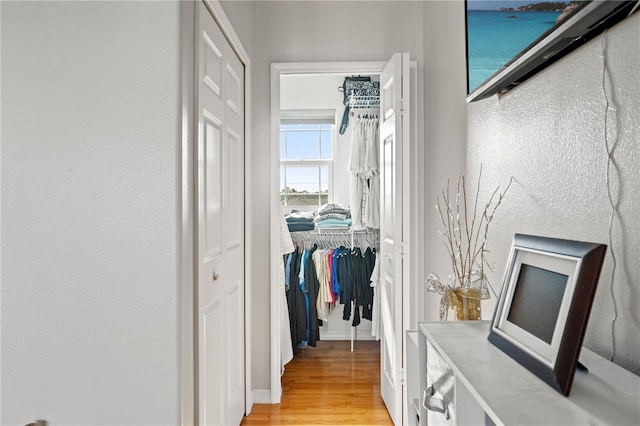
[{"x": 261, "y": 396}]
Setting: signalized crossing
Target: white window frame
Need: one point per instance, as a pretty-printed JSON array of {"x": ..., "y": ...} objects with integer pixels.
[{"x": 313, "y": 117}]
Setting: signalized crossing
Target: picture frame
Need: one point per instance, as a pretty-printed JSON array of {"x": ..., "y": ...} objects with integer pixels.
[{"x": 544, "y": 305}]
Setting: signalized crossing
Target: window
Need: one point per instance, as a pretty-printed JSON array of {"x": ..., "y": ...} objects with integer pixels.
[{"x": 306, "y": 159}]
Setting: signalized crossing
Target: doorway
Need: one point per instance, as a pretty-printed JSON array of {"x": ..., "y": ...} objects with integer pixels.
[
  {"x": 409, "y": 301},
  {"x": 316, "y": 159},
  {"x": 299, "y": 71}
]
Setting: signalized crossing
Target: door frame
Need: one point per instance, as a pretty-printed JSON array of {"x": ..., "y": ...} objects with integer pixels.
[
  {"x": 187, "y": 262},
  {"x": 416, "y": 275}
]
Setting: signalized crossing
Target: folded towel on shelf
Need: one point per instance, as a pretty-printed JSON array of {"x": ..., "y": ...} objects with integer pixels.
[
  {"x": 297, "y": 216},
  {"x": 300, "y": 221},
  {"x": 339, "y": 216},
  {"x": 300, "y": 226},
  {"x": 333, "y": 223}
]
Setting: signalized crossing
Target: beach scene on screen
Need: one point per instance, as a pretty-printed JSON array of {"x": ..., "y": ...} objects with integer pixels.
[{"x": 497, "y": 31}]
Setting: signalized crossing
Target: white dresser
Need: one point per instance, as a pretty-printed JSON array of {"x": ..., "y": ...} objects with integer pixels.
[{"x": 468, "y": 381}]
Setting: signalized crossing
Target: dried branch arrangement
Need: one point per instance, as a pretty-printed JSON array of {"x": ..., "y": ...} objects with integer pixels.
[{"x": 465, "y": 239}]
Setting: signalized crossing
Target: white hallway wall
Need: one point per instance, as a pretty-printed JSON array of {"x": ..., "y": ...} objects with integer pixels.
[
  {"x": 445, "y": 124},
  {"x": 306, "y": 32},
  {"x": 90, "y": 144}
]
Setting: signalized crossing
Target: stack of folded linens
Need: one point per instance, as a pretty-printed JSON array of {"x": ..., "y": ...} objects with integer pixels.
[
  {"x": 300, "y": 221},
  {"x": 333, "y": 216}
]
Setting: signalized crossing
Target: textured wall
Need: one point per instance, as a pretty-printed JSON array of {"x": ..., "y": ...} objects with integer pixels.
[
  {"x": 89, "y": 303},
  {"x": 549, "y": 133},
  {"x": 298, "y": 31}
]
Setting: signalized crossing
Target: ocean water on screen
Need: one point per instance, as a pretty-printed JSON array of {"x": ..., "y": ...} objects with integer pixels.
[{"x": 495, "y": 37}]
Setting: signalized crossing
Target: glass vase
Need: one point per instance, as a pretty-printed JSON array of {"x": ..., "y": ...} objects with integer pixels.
[{"x": 468, "y": 306}]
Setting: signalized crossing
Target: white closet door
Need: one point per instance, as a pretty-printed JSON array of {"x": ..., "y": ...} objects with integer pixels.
[
  {"x": 220, "y": 233},
  {"x": 394, "y": 146}
]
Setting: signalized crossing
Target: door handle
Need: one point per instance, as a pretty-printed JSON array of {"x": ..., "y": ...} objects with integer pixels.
[
  {"x": 215, "y": 277},
  {"x": 434, "y": 404}
]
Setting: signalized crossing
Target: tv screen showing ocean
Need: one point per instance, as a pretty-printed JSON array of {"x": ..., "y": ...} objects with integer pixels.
[{"x": 494, "y": 37}]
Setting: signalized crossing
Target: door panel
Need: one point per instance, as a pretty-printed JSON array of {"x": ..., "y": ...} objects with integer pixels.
[
  {"x": 235, "y": 345},
  {"x": 388, "y": 199},
  {"x": 394, "y": 141},
  {"x": 211, "y": 371},
  {"x": 235, "y": 198},
  {"x": 213, "y": 184},
  {"x": 233, "y": 90},
  {"x": 389, "y": 352},
  {"x": 213, "y": 65},
  {"x": 220, "y": 233}
]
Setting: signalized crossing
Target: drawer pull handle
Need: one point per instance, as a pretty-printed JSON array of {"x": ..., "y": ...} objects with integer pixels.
[{"x": 434, "y": 404}]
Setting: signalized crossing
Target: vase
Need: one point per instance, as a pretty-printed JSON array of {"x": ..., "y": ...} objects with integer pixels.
[{"x": 468, "y": 306}]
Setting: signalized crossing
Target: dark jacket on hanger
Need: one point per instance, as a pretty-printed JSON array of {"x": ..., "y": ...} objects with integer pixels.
[
  {"x": 296, "y": 304},
  {"x": 346, "y": 283},
  {"x": 313, "y": 287}
]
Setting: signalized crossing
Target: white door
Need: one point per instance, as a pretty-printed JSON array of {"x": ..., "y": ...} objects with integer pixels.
[
  {"x": 394, "y": 149},
  {"x": 220, "y": 232}
]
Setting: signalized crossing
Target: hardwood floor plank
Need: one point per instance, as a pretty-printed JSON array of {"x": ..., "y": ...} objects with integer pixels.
[{"x": 328, "y": 385}]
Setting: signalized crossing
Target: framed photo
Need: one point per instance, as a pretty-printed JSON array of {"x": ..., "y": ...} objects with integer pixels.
[{"x": 544, "y": 305}]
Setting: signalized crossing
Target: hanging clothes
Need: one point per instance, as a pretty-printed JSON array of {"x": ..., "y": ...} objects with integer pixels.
[
  {"x": 375, "y": 314},
  {"x": 313, "y": 286},
  {"x": 296, "y": 303},
  {"x": 346, "y": 284},
  {"x": 362, "y": 294},
  {"x": 305, "y": 291},
  {"x": 372, "y": 175},
  {"x": 319, "y": 279},
  {"x": 324, "y": 301},
  {"x": 364, "y": 186},
  {"x": 356, "y": 169},
  {"x": 286, "y": 347}
]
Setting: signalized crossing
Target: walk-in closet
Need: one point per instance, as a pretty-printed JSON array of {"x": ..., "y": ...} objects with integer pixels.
[
  {"x": 330, "y": 198},
  {"x": 341, "y": 217}
]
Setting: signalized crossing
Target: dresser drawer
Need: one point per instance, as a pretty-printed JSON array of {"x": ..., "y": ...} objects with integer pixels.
[{"x": 439, "y": 396}]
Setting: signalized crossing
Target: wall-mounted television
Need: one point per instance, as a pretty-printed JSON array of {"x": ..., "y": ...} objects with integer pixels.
[{"x": 508, "y": 41}]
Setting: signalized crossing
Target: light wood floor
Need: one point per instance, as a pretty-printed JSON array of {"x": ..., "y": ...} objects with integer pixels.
[{"x": 328, "y": 385}]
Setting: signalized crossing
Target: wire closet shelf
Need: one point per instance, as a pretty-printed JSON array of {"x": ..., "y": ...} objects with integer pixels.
[{"x": 331, "y": 238}]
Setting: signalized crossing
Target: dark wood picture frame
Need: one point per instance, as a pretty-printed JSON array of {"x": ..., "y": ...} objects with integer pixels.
[{"x": 544, "y": 305}]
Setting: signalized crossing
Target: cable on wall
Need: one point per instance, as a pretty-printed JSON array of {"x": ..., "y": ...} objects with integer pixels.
[{"x": 610, "y": 146}]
